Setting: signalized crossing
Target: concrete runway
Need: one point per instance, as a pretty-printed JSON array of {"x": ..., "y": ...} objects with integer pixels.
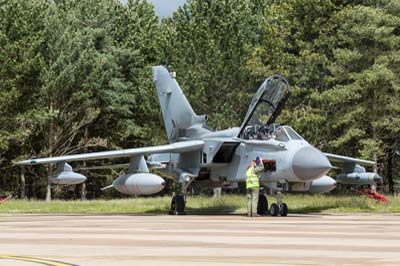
[{"x": 94, "y": 240}]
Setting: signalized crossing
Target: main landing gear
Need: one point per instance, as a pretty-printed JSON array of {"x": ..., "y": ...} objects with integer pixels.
[
  {"x": 178, "y": 202},
  {"x": 177, "y": 205}
]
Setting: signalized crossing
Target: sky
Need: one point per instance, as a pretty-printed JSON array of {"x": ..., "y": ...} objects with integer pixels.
[{"x": 164, "y": 8}]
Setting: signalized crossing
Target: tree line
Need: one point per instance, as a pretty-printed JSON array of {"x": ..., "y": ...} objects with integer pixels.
[{"x": 75, "y": 76}]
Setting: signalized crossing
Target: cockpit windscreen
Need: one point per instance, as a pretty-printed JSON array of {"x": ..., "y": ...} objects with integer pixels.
[{"x": 293, "y": 134}]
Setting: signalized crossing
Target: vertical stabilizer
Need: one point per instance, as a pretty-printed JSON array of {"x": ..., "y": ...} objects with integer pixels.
[{"x": 180, "y": 120}]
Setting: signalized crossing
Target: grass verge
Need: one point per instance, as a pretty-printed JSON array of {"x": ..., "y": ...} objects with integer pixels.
[{"x": 227, "y": 204}]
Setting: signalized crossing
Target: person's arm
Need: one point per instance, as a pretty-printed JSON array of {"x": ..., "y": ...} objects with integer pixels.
[{"x": 259, "y": 168}]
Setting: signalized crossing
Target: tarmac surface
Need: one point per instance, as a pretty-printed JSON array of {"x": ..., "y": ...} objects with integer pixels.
[{"x": 93, "y": 240}]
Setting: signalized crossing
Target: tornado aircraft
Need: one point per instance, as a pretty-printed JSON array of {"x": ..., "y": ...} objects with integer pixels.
[{"x": 197, "y": 153}]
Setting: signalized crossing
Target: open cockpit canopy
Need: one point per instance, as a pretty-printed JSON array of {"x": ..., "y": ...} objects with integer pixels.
[{"x": 265, "y": 107}]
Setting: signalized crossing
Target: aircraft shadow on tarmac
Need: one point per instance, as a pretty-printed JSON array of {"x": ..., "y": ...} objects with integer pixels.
[
  {"x": 212, "y": 210},
  {"x": 312, "y": 209},
  {"x": 230, "y": 210}
]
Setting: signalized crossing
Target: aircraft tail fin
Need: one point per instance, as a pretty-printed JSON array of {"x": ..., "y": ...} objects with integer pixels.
[{"x": 180, "y": 121}]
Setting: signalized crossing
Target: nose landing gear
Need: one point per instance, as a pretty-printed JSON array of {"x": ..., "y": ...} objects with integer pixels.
[{"x": 279, "y": 207}]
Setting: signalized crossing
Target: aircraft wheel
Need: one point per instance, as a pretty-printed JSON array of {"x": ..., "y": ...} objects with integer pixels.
[
  {"x": 177, "y": 205},
  {"x": 274, "y": 209},
  {"x": 262, "y": 206},
  {"x": 284, "y": 210}
]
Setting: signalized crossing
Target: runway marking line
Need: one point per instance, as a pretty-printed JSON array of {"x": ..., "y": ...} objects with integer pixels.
[
  {"x": 180, "y": 259},
  {"x": 39, "y": 261}
]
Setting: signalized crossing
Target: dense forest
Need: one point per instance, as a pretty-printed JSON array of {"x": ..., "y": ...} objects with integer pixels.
[{"x": 75, "y": 76}]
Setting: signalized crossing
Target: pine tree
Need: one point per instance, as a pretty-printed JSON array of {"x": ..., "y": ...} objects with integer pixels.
[
  {"x": 364, "y": 99},
  {"x": 21, "y": 39}
]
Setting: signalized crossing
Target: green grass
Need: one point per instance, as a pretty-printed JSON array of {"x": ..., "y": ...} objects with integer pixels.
[{"x": 228, "y": 204}]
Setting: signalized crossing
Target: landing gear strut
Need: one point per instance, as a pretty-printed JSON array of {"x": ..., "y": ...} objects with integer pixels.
[
  {"x": 178, "y": 201},
  {"x": 279, "y": 207}
]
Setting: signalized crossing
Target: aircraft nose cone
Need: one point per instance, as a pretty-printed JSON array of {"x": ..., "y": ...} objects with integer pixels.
[{"x": 309, "y": 163}]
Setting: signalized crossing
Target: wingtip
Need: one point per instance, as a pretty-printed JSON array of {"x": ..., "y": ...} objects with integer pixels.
[{"x": 25, "y": 162}]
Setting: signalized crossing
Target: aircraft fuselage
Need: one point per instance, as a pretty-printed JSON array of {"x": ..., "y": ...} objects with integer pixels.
[{"x": 224, "y": 160}]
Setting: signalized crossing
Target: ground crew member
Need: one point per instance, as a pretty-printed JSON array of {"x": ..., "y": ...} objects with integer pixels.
[{"x": 253, "y": 186}]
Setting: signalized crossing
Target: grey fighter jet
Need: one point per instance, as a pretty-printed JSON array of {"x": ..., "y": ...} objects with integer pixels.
[{"x": 197, "y": 153}]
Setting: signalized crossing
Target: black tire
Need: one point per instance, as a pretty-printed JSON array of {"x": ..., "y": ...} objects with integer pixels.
[
  {"x": 262, "y": 206},
  {"x": 177, "y": 205},
  {"x": 274, "y": 209},
  {"x": 284, "y": 210}
]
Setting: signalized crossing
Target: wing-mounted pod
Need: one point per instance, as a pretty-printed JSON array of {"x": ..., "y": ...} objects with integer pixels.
[
  {"x": 66, "y": 176},
  {"x": 357, "y": 175},
  {"x": 138, "y": 180},
  {"x": 265, "y": 107},
  {"x": 352, "y": 172},
  {"x": 366, "y": 178},
  {"x": 323, "y": 184}
]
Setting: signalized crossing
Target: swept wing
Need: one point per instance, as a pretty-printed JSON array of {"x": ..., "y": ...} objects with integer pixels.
[
  {"x": 345, "y": 159},
  {"x": 349, "y": 164},
  {"x": 177, "y": 147}
]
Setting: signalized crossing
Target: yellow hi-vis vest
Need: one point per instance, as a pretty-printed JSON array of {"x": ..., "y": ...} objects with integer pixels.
[{"x": 252, "y": 178}]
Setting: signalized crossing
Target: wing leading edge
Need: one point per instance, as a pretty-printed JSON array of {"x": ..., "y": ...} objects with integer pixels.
[
  {"x": 177, "y": 147},
  {"x": 347, "y": 160}
]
